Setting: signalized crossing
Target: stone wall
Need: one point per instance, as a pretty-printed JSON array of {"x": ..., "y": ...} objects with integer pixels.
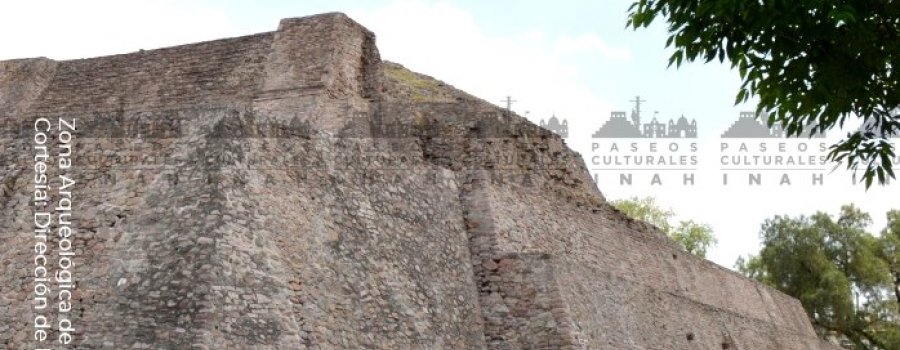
[
  {"x": 523, "y": 217},
  {"x": 22, "y": 82},
  {"x": 290, "y": 190},
  {"x": 328, "y": 55},
  {"x": 215, "y": 73},
  {"x": 657, "y": 319},
  {"x": 522, "y": 304},
  {"x": 525, "y": 196}
]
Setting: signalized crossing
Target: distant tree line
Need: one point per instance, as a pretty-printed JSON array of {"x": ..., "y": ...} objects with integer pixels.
[{"x": 847, "y": 278}]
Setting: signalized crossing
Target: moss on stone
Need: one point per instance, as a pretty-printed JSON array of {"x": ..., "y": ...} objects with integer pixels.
[{"x": 418, "y": 87}]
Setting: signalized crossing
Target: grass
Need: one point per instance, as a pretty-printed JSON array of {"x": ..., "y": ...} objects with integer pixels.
[{"x": 421, "y": 88}]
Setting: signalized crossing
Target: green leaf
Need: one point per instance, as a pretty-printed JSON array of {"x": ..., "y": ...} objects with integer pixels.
[{"x": 815, "y": 62}]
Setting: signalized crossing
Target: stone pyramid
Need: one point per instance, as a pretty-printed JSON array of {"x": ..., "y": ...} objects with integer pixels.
[{"x": 290, "y": 190}]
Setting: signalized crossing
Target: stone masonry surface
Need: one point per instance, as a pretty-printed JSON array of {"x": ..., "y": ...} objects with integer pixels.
[{"x": 289, "y": 190}]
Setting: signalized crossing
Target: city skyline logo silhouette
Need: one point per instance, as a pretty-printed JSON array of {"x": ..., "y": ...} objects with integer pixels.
[
  {"x": 618, "y": 126},
  {"x": 557, "y": 127},
  {"x": 752, "y": 125}
]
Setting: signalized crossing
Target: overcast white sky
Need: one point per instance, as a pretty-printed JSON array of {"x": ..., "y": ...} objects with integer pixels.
[{"x": 574, "y": 59}]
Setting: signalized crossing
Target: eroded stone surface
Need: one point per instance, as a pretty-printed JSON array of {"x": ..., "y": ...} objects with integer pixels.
[{"x": 288, "y": 190}]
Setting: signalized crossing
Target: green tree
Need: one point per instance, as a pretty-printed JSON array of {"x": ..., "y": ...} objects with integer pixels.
[
  {"x": 890, "y": 250},
  {"x": 694, "y": 237},
  {"x": 813, "y": 64},
  {"x": 837, "y": 270}
]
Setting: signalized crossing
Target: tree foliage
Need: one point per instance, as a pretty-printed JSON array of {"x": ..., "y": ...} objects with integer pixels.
[
  {"x": 843, "y": 275},
  {"x": 890, "y": 250},
  {"x": 694, "y": 237},
  {"x": 813, "y": 64}
]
